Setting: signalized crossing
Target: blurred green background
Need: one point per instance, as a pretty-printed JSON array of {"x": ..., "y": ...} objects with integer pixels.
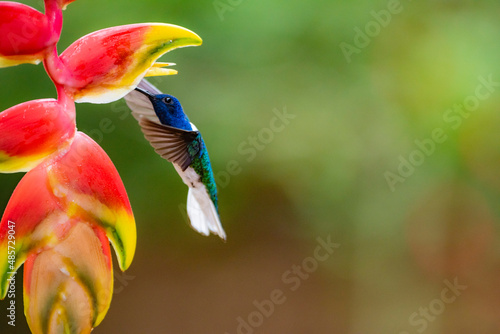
[{"x": 377, "y": 157}]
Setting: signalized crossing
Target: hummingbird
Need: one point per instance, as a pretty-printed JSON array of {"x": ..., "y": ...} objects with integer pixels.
[{"x": 169, "y": 131}]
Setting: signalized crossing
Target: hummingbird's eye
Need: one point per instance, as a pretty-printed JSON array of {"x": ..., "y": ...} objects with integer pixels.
[{"x": 167, "y": 100}]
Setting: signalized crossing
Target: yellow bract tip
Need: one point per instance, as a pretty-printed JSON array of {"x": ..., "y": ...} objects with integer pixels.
[
  {"x": 157, "y": 72},
  {"x": 163, "y": 64}
]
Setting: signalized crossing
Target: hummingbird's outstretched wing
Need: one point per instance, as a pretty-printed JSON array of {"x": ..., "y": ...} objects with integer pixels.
[{"x": 175, "y": 145}]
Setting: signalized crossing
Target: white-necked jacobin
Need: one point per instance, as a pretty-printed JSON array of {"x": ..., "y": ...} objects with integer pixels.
[{"x": 176, "y": 139}]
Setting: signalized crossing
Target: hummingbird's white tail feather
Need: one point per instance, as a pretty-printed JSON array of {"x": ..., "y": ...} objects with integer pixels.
[{"x": 202, "y": 213}]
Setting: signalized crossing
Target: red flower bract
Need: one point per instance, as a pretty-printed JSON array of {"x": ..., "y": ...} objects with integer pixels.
[
  {"x": 80, "y": 185},
  {"x": 26, "y": 34},
  {"x": 105, "y": 65},
  {"x": 33, "y": 130}
]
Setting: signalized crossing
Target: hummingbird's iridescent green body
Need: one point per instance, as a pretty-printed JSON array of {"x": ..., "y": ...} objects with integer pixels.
[
  {"x": 201, "y": 164},
  {"x": 175, "y": 138}
]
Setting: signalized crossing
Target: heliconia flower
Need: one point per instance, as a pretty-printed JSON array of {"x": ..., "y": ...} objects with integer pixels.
[
  {"x": 26, "y": 35},
  {"x": 79, "y": 186},
  {"x": 68, "y": 288},
  {"x": 107, "y": 64},
  {"x": 33, "y": 130},
  {"x": 71, "y": 203}
]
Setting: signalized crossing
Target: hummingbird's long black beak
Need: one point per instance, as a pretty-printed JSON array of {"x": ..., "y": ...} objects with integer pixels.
[{"x": 145, "y": 92}]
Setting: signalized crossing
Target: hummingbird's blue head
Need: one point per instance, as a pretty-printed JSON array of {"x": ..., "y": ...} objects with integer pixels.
[{"x": 168, "y": 109}]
